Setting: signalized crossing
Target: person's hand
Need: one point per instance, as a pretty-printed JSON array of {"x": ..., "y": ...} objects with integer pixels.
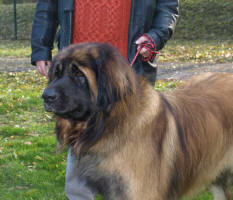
[
  {"x": 43, "y": 66},
  {"x": 144, "y": 52}
]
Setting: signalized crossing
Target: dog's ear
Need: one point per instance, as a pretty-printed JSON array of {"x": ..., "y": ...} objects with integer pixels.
[
  {"x": 115, "y": 77},
  {"x": 107, "y": 91}
]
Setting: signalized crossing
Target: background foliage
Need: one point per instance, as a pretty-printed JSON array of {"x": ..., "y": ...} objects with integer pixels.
[
  {"x": 205, "y": 19},
  {"x": 18, "y": 1},
  {"x": 25, "y": 13},
  {"x": 199, "y": 19}
]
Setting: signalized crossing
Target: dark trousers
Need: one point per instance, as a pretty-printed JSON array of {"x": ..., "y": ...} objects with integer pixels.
[{"x": 146, "y": 70}]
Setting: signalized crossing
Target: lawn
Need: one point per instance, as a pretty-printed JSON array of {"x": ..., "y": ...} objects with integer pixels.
[
  {"x": 30, "y": 168},
  {"x": 29, "y": 165},
  {"x": 193, "y": 51}
]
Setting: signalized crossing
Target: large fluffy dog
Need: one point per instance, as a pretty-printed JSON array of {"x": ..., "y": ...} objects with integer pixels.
[{"x": 133, "y": 142}]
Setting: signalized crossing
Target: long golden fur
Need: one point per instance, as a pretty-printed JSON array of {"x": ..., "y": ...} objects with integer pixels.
[{"x": 142, "y": 144}]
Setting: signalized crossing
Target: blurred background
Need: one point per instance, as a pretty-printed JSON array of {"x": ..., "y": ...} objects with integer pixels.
[{"x": 200, "y": 19}]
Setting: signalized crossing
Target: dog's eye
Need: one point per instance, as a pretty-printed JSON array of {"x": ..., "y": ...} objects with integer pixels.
[
  {"x": 78, "y": 74},
  {"x": 75, "y": 71}
]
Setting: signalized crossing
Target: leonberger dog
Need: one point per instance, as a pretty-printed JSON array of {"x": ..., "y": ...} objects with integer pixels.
[{"x": 131, "y": 141}]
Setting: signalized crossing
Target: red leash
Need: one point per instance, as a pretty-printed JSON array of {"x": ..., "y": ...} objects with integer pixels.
[{"x": 151, "y": 48}]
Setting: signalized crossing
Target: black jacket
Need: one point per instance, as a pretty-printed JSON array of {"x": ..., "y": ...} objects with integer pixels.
[{"x": 154, "y": 17}]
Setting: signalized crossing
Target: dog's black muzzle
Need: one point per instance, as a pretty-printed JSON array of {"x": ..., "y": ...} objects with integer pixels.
[{"x": 50, "y": 96}]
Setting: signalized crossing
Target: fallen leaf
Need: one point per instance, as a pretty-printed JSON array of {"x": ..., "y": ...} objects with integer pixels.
[
  {"x": 33, "y": 134},
  {"x": 31, "y": 168},
  {"x": 15, "y": 155},
  {"x": 21, "y": 187},
  {"x": 28, "y": 143},
  {"x": 39, "y": 158}
]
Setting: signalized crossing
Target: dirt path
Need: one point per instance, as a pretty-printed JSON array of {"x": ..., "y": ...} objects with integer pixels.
[
  {"x": 178, "y": 71},
  {"x": 183, "y": 71}
]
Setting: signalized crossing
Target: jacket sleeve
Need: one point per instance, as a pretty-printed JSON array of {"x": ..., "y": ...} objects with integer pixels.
[
  {"x": 164, "y": 22},
  {"x": 44, "y": 30}
]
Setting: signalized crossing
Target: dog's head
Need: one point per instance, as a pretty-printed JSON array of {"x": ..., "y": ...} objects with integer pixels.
[{"x": 87, "y": 79}]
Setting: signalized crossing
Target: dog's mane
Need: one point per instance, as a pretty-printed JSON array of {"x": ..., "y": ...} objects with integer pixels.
[{"x": 116, "y": 81}]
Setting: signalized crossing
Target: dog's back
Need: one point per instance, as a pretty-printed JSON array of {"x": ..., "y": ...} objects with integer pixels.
[{"x": 203, "y": 111}]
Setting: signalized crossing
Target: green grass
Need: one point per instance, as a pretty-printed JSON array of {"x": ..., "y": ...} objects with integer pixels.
[
  {"x": 198, "y": 51},
  {"x": 16, "y": 48},
  {"x": 30, "y": 169},
  {"x": 29, "y": 165}
]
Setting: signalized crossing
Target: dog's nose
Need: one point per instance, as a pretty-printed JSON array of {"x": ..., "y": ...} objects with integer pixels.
[{"x": 49, "y": 95}]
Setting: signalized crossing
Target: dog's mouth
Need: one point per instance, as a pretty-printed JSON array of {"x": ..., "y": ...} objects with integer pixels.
[
  {"x": 48, "y": 107},
  {"x": 79, "y": 112},
  {"x": 64, "y": 105},
  {"x": 51, "y": 105}
]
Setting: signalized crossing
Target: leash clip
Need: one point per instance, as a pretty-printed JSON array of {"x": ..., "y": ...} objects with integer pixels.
[{"x": 152, "y": 64}]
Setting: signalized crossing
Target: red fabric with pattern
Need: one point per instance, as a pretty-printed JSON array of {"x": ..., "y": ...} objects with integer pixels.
[{"x": 102, "y": 21}]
